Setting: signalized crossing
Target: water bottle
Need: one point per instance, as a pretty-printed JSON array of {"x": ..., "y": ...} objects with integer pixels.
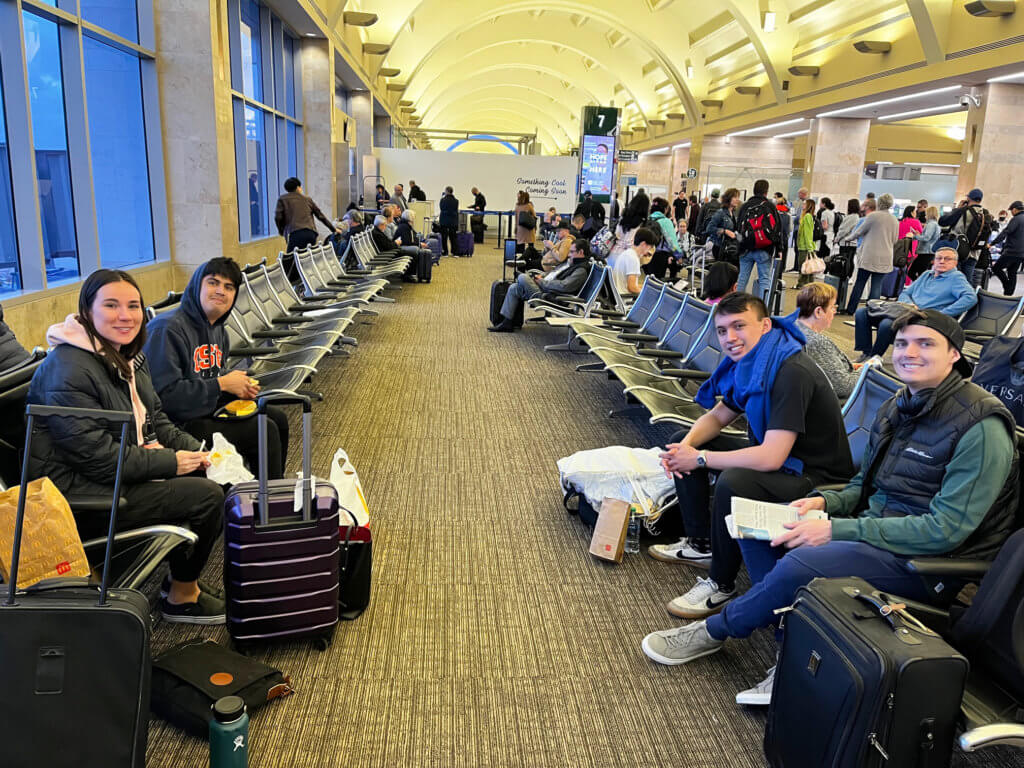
[
  {"x": 632, "y": 545},
  {"x": 229, "y": 734}
]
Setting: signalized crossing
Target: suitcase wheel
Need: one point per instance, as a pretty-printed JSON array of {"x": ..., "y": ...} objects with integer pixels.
[{"x": 322, "y": 643}]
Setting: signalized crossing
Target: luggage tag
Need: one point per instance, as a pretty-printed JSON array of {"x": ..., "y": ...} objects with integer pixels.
[{"x": 299, "y": 485}]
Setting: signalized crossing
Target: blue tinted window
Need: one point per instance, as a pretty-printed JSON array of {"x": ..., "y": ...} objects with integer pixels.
[
  {"x": 289, "y": 75},
  {"x": 10, "y": 273},
  {"x": 255, "y": 174},
  {"x": 42, "y": 58},
  {"x": 252, "y": 60},
  {"x": 293, "y": 154},
  {"x": 120, "y": 168},
  {"x": 118, "y": 16}
]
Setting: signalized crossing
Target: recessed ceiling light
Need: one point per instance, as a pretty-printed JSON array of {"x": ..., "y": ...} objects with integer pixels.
[
  {"x": 768, "y": 21},
  {"x": 689, "y": 71},
  {"x": 804, "y": 132},
  {"x": 659, "y": 151},
  {"x": 883, "y": 162},
  {"x": 311, "y": 34},
  {"x": 1004, "y": 78},
  {"x": 684, "y": 145},
  {"x": 893, "y": 100},
  {"x": 928, "y": 111},
  {"x": 767, "y": 127}
]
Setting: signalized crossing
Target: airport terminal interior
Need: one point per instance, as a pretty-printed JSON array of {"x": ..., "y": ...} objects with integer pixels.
[{"x": 141, "y": 139}]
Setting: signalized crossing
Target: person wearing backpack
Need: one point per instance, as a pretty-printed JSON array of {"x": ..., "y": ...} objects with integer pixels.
[
  {"x": 760, "y": 237},
  {"x": 526, "y": 220},
  {"x": 877, "y": 232},
  {"x": 971, "y": 225},
  {"x": 668, "y": 243},
  {"x": 707, "y": 213}
]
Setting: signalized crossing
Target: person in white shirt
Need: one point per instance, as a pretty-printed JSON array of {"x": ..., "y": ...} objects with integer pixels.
[{"x": 626, "y": 269}]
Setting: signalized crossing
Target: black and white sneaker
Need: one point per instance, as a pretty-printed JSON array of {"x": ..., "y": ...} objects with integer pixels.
[
  {"x": 680, "y": 552},
  {"x": 704, "y": 599},
  {"x": 206, "y": 610},
  {"x": 210, "y": 589}
]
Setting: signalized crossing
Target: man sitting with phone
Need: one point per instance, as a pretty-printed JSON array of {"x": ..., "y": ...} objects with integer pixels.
[
  {"x": 938, "y": 477},
  {"x": 557, "y": 251}
]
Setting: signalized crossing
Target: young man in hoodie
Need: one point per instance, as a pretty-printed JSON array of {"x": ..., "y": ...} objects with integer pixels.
[
  {"x": 187, "y": 349},
  {"x": 793, "y": 420}
]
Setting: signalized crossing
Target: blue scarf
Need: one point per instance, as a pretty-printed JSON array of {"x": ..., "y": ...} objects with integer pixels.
[{"x": 748, "y": 383}]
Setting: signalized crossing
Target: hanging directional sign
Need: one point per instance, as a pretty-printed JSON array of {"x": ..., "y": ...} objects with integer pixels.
[{"x": 629, "y": 155}]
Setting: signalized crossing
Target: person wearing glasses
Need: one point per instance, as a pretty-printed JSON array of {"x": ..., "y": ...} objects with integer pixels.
[{"x": 943, "y": 288}]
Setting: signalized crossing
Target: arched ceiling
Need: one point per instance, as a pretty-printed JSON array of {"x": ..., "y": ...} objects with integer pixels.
[{"x": 538, "y": 63}]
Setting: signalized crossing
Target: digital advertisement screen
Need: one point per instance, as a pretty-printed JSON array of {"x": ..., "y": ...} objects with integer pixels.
[{"x": 597, "y": 166}]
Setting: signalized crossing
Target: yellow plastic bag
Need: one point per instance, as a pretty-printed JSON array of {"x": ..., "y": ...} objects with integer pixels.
[{"x": 50, "y": 545}]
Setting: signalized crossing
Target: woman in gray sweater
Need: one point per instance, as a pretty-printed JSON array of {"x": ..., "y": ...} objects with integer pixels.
[
  {"x": 816, "y": 304},
  {"x": 877, "y": 232}
]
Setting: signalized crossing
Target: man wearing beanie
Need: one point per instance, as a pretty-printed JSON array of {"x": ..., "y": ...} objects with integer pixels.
[
  {"x": 971, "y": 224},
  {"x": 1012, "y": 238},
  {"x": 938, "y": 477}
]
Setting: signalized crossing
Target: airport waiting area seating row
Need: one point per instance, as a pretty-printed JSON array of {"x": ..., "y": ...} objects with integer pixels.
[{"x": 664, "y": 345}]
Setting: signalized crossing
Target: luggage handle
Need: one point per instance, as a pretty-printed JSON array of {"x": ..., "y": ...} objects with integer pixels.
[
  {"x": 882, "y": 609},
  {"x": 32, "y": 411},
  {"x": 285, "y": 397}
]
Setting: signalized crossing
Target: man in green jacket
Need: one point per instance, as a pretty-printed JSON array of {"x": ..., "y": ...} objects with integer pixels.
[{"x": 939, "y": 477}]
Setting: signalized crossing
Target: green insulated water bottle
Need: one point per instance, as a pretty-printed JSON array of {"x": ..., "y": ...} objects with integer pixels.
[{"x": 229, "y": 734}]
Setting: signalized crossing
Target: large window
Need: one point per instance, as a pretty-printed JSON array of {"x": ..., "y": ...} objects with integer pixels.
[
  {"x": 267, "y": 94},
  {"x": 75, "y": 165}
]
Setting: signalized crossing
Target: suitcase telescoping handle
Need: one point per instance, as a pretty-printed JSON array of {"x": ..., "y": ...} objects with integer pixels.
[
  {"x": 32, "y": 411},
  {"x": 284, "y": 398}
]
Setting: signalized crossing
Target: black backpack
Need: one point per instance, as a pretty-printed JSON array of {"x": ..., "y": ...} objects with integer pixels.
[
  {"x": 761, "y": 228},
  {"x": 819, "y": 232},
  {"x": 901, "y": 252},
  {"x": 836, "y": 221}
]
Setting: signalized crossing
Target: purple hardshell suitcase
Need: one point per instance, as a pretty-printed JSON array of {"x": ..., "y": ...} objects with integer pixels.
[
  {"x": 464, "y": 244},
  {"x": 281, "y": 566}
]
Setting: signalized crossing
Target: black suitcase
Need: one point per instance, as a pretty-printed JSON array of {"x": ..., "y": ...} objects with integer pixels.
[
  {"x": 841, "y": 284},
  {"x": 424, "y": 266},
  {"x": 75, "y": 655},
  {"x": 498, "y": 290},
  {"x": 858, "y": 684}
]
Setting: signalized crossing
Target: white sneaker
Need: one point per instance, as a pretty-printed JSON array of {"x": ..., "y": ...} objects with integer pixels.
[
  {"x": 704, "y": 599},
  {"x": 680, "y": 552},
  {"x": 680, "y": 645},
  {"x": 760, "y": 695}
]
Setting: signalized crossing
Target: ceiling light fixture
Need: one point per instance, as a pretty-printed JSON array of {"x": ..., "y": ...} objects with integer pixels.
[
  {"x": 684, "y": 145},
  {"x": 1004, "y": 78},
  {"x": 790, "y": 135},
  {"x": 766, "y": 127},
  {"x": 689, "y": 72},
  {"x": 894, "y": 100},
  {"x": 957, "y": 132},
  {"x": 659, "y": 151},
  {"x": 928, "y": 111},
  {"x": 941, "y": 165},
  {"x": 768, "y": 21},
  {"x": 883, "y": 162}
]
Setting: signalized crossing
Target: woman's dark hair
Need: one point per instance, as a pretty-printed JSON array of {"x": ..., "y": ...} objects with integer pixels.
[
  {"x": 291, "y": 184},
  {"x": 381, "y": 188},
  {"x": 910, "y": 212},
  {"x": 659, "y": 205},
  {"x": 582, "y": 246},
  {"x": 523, "y": 197},
  {"x": 853, "y": 205},
  {"x": 119, "y": 360},
  {"x": 827, "y": 202},
  {"x": 720, "y": 280},
  {"x": 693, "y": 199},
  {"x": 636, "y": 212},
  {"x": 728, "y": 195}
]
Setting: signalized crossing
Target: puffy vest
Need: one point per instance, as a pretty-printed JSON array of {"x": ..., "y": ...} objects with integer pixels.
[{"x": 913, "y": 440}]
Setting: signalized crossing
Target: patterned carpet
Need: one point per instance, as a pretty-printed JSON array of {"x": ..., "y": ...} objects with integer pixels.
[{"x": 493, "y": 638}]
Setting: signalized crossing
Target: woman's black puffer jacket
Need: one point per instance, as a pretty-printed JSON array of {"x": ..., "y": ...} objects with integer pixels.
[{"x": 80, "y": 455}]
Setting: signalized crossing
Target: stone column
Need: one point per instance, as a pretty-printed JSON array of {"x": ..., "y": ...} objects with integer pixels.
[
  {"x": 993, "y": 153},
  {"x": 836, "y": 147},
  {"x": 362, "y": 111},
  {"x": 317, "y": 113}
]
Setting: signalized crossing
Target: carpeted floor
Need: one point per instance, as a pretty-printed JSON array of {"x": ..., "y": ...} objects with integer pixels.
[{"x": 493, "y": 638}]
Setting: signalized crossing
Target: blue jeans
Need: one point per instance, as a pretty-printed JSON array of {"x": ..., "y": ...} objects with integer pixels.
[
  {"x": 858, "y": 288},
  {"x": 862, "y": 333},
  {"x": 763, "y": 259},
  {"x": 777, "y": 573}
]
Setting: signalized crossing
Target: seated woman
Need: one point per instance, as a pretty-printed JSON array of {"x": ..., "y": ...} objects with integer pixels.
[
  {"x": 816, "y": 304},
  {"x": 97, "y": 362},
  {"x": 720, "y": 281}
]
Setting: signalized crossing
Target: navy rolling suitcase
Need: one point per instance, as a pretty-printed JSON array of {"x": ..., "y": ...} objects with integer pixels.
[
  {"x": 280, "y": 564},
  {"x": 861, "y": 684},
  {"x": 464, "y": 244},
  {"x": 893, "y": 283},
  {"x": 75, "y": 655}
]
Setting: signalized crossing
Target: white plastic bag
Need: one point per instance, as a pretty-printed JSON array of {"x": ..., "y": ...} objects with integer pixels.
[
  {"x": 226, "y": 465},
  {"x": 350, "y": 492},
  {"x": 617, "y": 472}
]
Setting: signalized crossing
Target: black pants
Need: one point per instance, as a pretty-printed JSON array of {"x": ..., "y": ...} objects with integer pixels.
[
  {"x": 448, "y": 240},
  {"x": 921, "y": 264},
  {"x": 241, "y": 433},
  {"x": 1006, "y": 270},
  {"x": 300, "y": 238},
  {"x": 657, "y": 265},
  {"x": 193, "y": 502}
]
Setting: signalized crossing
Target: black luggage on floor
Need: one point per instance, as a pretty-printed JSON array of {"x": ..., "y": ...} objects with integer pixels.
[
  {"x": 499, "y": 288},
  {"x": 476, "y": 224},
  {"x": 424, "y": 266},
  {"x": 858, "y": 684},
  {"x": 280, "y": 566},
  {"x": 75, "y": 655},
  {"x": 841, "y": 284}
]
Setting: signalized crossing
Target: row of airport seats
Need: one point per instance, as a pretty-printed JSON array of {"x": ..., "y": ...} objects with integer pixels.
[
  {"x": 664, "y": 345},
  {"x": 278, "y": 334}
]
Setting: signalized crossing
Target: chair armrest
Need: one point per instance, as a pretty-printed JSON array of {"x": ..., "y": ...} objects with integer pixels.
[
  {"x": 665, "y": 354},
  {"x": 252, "y": 351},
  {"x": 638, "y": 337},
  {"x": 289, "y": 318},
  {"x": 276, "y": 334},
  {"x": 94, "y": 502},
  {"x": 621, "y": 324},
  {"x": 993, "y": 734},
  {"x": 949, "y": 566},
  {"x": 602, "y": 312},
  {"x": 680, "y": 373},
  {"x": 571, "y": 299}
]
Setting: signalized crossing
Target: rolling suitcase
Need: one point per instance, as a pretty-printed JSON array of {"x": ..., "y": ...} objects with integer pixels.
[
  {"x": 841, "y": 284},
  {"x": 434, "y": 244},
  {"x": 893, "y": 283},
  {"x": 281, "y": 565},
  {"x": 424, "y": 266},
  {"x": 499, "y": 288},
  {"x": 861, "y": 684},
  {"x": 464, "y": 244},
  {"x": 76, "y": 655}
]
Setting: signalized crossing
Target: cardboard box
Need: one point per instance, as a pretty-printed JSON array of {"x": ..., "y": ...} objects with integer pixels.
[{"x": 610, "y": 532}]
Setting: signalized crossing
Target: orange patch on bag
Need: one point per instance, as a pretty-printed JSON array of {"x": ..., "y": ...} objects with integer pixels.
[
  {"x": 221, "y": 678},
  {"x": 64, "y": 567}
]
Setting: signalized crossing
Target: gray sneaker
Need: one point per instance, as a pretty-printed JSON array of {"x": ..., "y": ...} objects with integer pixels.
[
  {"x": 682, "y": 645},
  {"x": 761, "y": 694},
  {"x": 702, "y": 600}
]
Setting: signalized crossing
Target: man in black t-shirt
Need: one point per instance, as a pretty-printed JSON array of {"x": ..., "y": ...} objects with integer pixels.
[
  {"x": 679, "y": 206},
  {"x": 796, "y": 441}
]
